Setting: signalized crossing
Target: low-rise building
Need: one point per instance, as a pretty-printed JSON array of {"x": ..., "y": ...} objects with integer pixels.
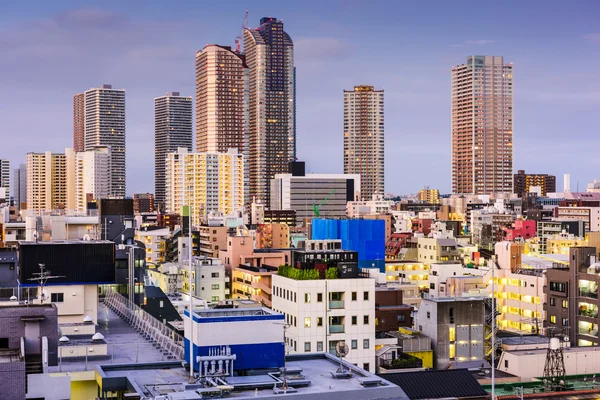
[
  {"x": 239, "y": 250},
  {"x": 154, "y": 239},
  {"x": 208, "y": 277},
  {"x": 272, "y": 236},
  {"x": 253, "y": 282}
]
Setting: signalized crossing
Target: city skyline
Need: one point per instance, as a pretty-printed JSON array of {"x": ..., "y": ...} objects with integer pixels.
[{"x": 554, "y": 99}]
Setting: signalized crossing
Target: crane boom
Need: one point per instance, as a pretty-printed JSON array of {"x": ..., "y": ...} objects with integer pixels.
[
  {"x": 238, "y": 39},
  {"x": 316, "y": 208}
]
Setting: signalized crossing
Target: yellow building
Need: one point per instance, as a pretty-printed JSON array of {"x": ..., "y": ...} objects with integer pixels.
[
  {"x": 429, "y": 195},
  {"x": 46, "y": 181},
  {"x": 208, "y": 182},
  {"x": 561, "y": 243},
  {"x": 407, "y": 272},
  {"x": 272, "y": 236}
]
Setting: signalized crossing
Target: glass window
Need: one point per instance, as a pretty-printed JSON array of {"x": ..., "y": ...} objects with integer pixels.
[
  {"x": 307, "y": 322},
  {"x": 354, "y": 320},
  {"x": 319, "y": 321},
  {"x": 319, "y": 346},
  {"x": 353, "y": 296},
  {"x": 365, "y": 343},
  {"x": 366, "y": 320},
  {"x": 307, "y": 297},
  {"x": 215, "y": 287},
  {"x": 366, "y": 296},
  {"x": 319, "y": 297},
  {"x": 307, "y": 347},
  {"x": 354, "y": 344},
  {"x": 57, "y": 297}
]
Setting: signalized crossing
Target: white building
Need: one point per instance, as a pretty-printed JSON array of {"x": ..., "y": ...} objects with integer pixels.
[
  {"x": 88, "y": 176},
  {"x": 402, "y": 221},
  {"x": 328, "y": 192},
  {"x": 46, "y": 181},
  {"x": 48, "y": 227},
  {"x": 105, "y": 126},
  {"x": 154, "y": 240},
  {"x": 356, "y": 209},
  {"x": 209, "y": 279},
  {"x": 5, "y": 179},
  {"x": 208, "y": 182},
  {"x": 321, "y": 313}
]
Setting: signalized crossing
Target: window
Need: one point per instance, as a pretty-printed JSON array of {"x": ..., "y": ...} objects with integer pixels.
[
  {"x": 295, "y": 321},
  {"x": 354, "y": 344},
  {"x": 366, "y": 366},
  {"x": 565, "y": 304},
  {"x": 294, "y": 297},
  {"x": 365, "y": 343},
  {"x": 295, "y": 347},
  {"x": 565, "y": 322},
  {"x": 319, "y": 346},
  {"x": 552, "y": 301},
  {"x": 354, "y": 320},
  {"x": 505, "y": 363},
  {"x": 366, "y": 296},
  {"x": 214, "y": 275},
  {"x": 57, "y": 297},
  {"x": 319, "y": 297},
  {"x": 428, "y": 315},
  {"x": 307, "y": 347},
  {"x": 558, "y": 287},
  {"x": 307, "y": 322},
  {"x": 353, "y": 296},
  {"x": 160, "y": 304},
  {"x": 553, "y": 319},
  {"x": 307, "y": 297},
  {"x": 400, "y": 317},
  {"x": 215, "y": 298},
  {"x": 4, "y": 343},
  {"x": 450, "y": 314},
  {"x": 319, "y": 321},
  {"x": 366, "y": 320},
  {"x": 215, "y": 286}
]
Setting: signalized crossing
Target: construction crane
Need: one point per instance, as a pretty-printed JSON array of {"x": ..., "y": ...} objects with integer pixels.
[
  {"x": 239, "y": 38},
  {"x": 316, "y": 208}
]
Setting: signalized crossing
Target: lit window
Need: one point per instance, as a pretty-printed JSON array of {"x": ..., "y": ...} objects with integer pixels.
[{"x": 307, "y": 322}]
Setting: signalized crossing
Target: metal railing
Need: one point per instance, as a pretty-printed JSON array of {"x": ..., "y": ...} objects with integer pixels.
[{"x": 146, "y": 324}]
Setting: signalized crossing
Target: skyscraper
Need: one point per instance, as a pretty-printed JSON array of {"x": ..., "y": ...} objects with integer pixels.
[
  {"x": 20, "y": 185},
  {"x": 172, "y": 130},
  {"x": 5, "y": 177},
  {"x": 364, "y": 139},
  {"x": 207, "y": 182},
  {"x": 105, "y": 126},
  {"x": 79, "y": 122},
  {"x": 219, "y": 99},
  {"x": 269, "y": 54},
  {"x": 482, "y": 126},
  {"x": 46, "y": 181}
]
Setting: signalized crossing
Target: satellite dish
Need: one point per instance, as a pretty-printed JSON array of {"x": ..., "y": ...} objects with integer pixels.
[
  {"x": 86, "y": 238},
  {"x": 342, "y": 349},
  {"x": 566, "y": 339}
]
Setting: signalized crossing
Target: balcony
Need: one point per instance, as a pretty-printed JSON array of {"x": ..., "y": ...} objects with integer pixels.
[
  {"x": 336, "y": 328},
  {"x": 336, "y": 304},
  {"x": 585, "y": 292}
]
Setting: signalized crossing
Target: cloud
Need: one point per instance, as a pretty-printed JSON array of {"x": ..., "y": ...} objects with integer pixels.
[
  {"x": 593, "y": 37},
  {"x": 480, "y": 42}
]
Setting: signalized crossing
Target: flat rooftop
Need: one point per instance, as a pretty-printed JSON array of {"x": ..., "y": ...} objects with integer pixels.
[{"x": 158, "y": 379}]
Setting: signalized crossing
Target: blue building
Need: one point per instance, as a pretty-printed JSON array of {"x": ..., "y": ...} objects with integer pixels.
[
  {"x": 365, "y": 236},
  {"x": 252, "y": 338}
]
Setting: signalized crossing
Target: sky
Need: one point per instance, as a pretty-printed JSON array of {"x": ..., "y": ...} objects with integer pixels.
[{"x": 50, "y": 50}]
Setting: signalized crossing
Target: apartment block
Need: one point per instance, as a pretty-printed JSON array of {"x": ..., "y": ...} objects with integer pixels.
[
  {"x": 208, "y": 277},
  {"x": 482, "y": 126},
  {"x": 429, "y": 196},
  {"x": 46, "y": 181},
  {"x": 322, "y": 312},
  {"x": 105, "y": 126},
  {"x": 79, "y": 122},
  {"x": 88, "y": 176},
  {"x": 208, "y": 182},
  {"x": 364, "y": 139},
  {"x": 154, "y": 239},
  {"x": 272, "y": 236},
  {"x": 252, "y": 282},
  {"x": 5, "y": 180},
  {"x": 143, "y": 203},
  {"x": 172, "y": 130},
  {"x": 269, "y": 52},
  {"x": 524, "y": 182}
]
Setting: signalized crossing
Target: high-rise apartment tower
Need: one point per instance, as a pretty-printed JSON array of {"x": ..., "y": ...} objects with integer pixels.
[
  {"x": 364, "y": 138},
  {"x": 269, "y": 52},
  {"x": 482, "y": 126},
  {"x": 172, "y": 130},
  {"x": 105, "y": 126},
  {"x": 5, "y": 178},
  {"x": 79, "y": 122},
  {"x": 46, "y": 181}
]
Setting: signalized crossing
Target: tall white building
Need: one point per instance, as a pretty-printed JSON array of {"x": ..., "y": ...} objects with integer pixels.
[
  {"x": 364, "y": 138},
  {"x": 46, "y": 181},
  {"x": 5, "y": 179},
  {"x": 89, "y": 177},
  {"x": 207, "y": 182},
  {"x": 105, "y": 126},
  {"x": 321, "y": 313},
  {"x": 482, "y": 126},
  {"x": 172, "y": 129},
  {"x": 269, "y": 52}
]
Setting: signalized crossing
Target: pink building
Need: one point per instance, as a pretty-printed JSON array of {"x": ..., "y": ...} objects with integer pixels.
[
  {"x": 241, "y": 251},
  {"x": 522, "y": 228}
]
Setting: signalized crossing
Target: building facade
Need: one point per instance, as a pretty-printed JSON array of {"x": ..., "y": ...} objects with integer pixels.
[
  {"x": 269, "y": 54},
  {"x": 172, "y": 130},
  {"x": 105, "y": 126},
  {"x": 524, "y": 182},
  {"x": 429, "y": 196},
  {"x": 364, "y": 138},
  {"x": 19, "y": 186},
  {"x": 90, "y": 177},
  {"x": 79, "y": 122},
  {"x": 143, "y": 203},
  {"x": 482, "y": 126},
  {"x": 5, "y": 179},
  {"x": 46, "y": 181},
  {"x": 322, "y": 313},
  {"x": 208, "y": 182}
]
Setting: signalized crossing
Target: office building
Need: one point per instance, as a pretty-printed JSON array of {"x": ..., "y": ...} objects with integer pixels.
[
  {"x": 4, "y": 180},
  {"x": 172, "y": 129},
  {"x": 208, "y": 182},
  {"x": 364, "y": 138},
  {"x": 523, "y": 183},
  {"x": 220, "y": 77},
  {"x": 322, "y": 312},
  {"x": 482, "y": 126},
  {"x": 79, "y": 122},
  {"x": 429, "y": 196},
  {"x": 105, "y": 126},
  {"x": 19, "y": 186},
  {"x": 46, "y": 181},
  {"x": 325, "y": 194},
  {"x": 143, "y": 203},
  {"x": 269, "y": 54}
]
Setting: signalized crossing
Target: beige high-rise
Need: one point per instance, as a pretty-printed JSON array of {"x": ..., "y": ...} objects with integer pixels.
[
  {"x": 482, "y": 126},
  {"x": 46, "y": 181},
  {"x": 364, "y": 139},
  {"x": 219, "y": 99}
]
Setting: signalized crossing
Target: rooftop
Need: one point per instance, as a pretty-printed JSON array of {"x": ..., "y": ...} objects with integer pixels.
[
  {"x": 578, "y": 387},
  {"x": 311, "y": 372},
  {"x": 440, "y": 384}
]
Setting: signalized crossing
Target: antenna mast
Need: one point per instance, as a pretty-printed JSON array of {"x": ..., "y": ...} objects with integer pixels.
[{"x": 42, "y": 277}]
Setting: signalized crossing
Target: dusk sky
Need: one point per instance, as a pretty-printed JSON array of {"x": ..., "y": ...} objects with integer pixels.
[{"x": 51, "y": 50}]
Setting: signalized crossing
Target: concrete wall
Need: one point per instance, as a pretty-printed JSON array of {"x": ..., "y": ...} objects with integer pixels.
[
  {"x": 12, "y": 378},
  {"x": 79, "y": 301},
  {"x": 49, "y": 386}
]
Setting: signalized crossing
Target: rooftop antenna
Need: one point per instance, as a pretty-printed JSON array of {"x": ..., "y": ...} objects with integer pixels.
[{"x": 42, "y": 277}]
